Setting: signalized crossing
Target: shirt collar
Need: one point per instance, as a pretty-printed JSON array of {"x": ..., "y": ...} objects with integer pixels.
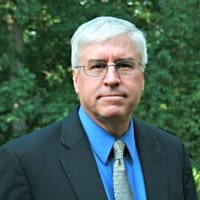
[
  {"x": 101, "y": 142},
  {"x": 129, "y": 139}
]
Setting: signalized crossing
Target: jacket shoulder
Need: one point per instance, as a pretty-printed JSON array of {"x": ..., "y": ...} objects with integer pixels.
[
  {"x": 36, "y": 139},
  {"x": 156, "y": 133}
]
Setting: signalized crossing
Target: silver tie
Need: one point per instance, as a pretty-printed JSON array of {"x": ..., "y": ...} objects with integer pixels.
[{"x": 122, "y": 190}]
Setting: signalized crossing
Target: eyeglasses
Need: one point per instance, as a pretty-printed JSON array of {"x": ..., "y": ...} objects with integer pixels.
[{"x": 124, "y": 67}]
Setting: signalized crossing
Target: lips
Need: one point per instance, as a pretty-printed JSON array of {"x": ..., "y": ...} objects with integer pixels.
[{"x": 112, "y": 95}]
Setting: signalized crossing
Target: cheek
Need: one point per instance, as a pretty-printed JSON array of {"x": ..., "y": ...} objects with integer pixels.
[
  {"x": 137, "y": 83},
  {"x": 140, "y": 81},
  {"x": 85, "y": 87},
  {"x": 135, "y": 89}
]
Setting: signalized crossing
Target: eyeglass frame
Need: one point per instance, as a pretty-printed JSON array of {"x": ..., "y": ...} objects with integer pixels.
[{"x": 140, "y": 68}]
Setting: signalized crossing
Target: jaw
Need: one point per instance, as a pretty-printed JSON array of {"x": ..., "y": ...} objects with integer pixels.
[
  {"x": 112, "y": 118},
  {"x": 114, "y": 123}
]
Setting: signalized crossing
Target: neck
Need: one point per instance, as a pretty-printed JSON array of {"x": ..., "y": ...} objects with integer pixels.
[{"x": 116, "y": 126}]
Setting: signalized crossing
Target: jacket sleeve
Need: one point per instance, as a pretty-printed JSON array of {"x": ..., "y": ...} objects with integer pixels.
[
  {"x": 13, "y": 183},
  {"x": 189, "y": 188}
]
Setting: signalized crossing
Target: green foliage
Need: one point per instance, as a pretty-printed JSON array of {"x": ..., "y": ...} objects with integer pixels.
[
  {"x": 196, "y": 175},
  {"x": 172, "y": 96},
  {"x": 15, "y": 101},
  {"x": 35, "y": 77}
]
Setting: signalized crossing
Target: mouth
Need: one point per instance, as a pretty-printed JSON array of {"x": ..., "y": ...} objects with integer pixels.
[{"x": 112, "y": 96}]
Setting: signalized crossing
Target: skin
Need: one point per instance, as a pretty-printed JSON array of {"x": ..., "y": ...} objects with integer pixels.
[{"x": 109, "y": 100}]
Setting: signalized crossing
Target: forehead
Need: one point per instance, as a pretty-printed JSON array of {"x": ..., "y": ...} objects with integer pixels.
[{"x": 118, "y": 47}]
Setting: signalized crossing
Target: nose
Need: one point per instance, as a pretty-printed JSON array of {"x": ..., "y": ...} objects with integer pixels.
[{"x": 111, "y": 77}]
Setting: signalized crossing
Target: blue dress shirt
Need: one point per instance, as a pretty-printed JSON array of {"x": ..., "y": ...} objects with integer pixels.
[{"x": 101, "y": 144}]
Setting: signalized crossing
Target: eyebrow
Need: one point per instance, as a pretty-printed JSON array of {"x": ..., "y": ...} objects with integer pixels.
[
  {"x": 103, "y": 60},
  {"x": 96, "y": 60},
  {"x": 122, "y": 59}
]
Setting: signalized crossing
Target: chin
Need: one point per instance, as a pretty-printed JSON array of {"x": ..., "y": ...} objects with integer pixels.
[{"x": 110, "y": 112}]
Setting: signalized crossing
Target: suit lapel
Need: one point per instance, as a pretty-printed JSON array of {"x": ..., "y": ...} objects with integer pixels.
[
  {"x": 78, "y": 162},
  {"x": 154, "y": 163}
]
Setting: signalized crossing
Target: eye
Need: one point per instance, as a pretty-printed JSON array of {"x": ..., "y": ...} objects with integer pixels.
[
  {"x": 97, "y": 66},
  {"x": 125, "y": 64}
]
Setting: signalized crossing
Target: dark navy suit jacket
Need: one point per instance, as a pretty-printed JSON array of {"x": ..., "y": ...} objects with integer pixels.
[{"x": 56, "y": 163}]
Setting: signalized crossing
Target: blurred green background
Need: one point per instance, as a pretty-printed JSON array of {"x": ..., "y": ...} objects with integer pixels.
[{"x": 35, "y": 76}]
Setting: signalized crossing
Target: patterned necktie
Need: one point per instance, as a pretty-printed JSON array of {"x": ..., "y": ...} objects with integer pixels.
[{"x": 122, "y": 190}]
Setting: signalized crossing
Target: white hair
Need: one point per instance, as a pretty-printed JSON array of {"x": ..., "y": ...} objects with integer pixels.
[{"x": 101, "y": 29}]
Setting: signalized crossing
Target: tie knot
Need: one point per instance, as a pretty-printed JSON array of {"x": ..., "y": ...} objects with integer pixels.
[{"x": 118, "y": 149}]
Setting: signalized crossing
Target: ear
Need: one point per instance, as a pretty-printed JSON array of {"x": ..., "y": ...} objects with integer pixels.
[
  {"x": 75, "y": 77},
  {"x": 143, "y": 83}
]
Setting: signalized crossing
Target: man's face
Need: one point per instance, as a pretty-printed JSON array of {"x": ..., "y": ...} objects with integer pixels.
[{"x": 110, "y": 96}]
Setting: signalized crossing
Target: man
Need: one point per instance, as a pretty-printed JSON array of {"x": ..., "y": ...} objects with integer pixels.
[{"x": 74, "y": 158}]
